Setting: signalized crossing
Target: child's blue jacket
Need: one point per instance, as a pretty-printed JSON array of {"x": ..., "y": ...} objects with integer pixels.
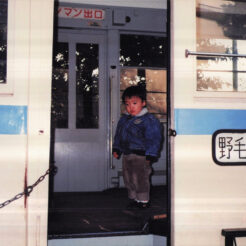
[{"x": 141, "y": 134}]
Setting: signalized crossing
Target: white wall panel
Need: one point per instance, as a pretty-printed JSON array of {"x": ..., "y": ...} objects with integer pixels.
[
  {"x": 206, "y": 197},
  {"x": 12, "y": 164},
  {"x": 24, "y": 155}
]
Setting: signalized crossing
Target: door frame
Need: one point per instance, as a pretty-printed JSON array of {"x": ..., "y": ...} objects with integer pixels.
[{"x": 112, "y": 73}]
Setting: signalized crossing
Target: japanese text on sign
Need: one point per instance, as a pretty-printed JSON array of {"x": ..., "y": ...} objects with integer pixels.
[
  {"x": 81, "y": 13},
  {"x": 229, "y": 147}
]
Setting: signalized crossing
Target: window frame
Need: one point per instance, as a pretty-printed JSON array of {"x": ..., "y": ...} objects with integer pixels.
[
  {"x": 8, "y": 87},
  {"x": 210, "y": 94},
  {"x": 143, "y": 33}
]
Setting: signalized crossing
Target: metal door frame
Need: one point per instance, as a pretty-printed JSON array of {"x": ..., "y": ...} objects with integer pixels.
[{"x": 112, "y": 74}]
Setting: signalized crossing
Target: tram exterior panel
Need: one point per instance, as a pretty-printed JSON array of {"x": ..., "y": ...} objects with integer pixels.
[
  {"x": 25, "y": 126},
  {"x": 207, "y": 197}
]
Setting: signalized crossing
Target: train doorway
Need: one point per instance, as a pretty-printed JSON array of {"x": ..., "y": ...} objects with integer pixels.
[{"x": 95, "y": 58}]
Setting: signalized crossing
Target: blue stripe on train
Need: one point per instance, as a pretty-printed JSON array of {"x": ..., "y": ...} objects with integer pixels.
[
  {"x": 207, "y": 121},
  {"x": 13, "y": 119}
]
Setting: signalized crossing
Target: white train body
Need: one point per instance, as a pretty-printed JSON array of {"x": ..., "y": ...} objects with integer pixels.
[{"x": 205, "y": 196}]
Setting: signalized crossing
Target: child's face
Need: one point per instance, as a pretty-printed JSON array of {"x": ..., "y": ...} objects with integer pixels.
[{"x": 134, "y": 105}]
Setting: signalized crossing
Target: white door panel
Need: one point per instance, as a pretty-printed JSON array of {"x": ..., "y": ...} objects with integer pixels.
[{"x": 80, "y": 149}]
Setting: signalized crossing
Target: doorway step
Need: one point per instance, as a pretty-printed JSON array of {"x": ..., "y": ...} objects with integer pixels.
[
  {"x": 100, "y": 214},
  {"x": 134, "y": 240}
]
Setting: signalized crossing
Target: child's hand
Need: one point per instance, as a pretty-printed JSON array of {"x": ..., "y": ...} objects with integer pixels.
[{"x": 115, "y": 155}]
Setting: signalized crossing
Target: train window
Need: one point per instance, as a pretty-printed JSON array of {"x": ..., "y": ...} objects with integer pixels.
[
  {"x": 59, "y": 106},
  {"x": 3, "y": 41},
  {"x": 221, "y": 28},
  {"x": 143, "y": 61},
  {"x": 143, "y": 51},
  {"x": 87, "y": 96}
]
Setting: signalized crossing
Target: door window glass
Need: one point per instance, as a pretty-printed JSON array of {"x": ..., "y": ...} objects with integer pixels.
[
  {"x": 59, "y": 106},
  {"x": 143, "y": 51},
  {"x": 87, "y": 93},
  {"x": 221, "y": 28},
  {"x": 143, "y": 62},
  {"x": 3, "y": 40}
]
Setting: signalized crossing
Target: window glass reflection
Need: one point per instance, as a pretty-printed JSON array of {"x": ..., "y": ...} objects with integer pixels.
[
  {"x": 59, "y": 106},
  {"x": 221, "y": 28},
  {"x": 143, "y": 51},
  {"x": 156, "y": 80},
  {"x": 157, "y": 104},
  {"x": 3, "y": 40},
  {"x": 87, "y": 77}
]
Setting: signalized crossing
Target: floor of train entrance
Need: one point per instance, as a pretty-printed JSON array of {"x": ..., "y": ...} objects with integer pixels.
[{"x": 89, "y": 214}]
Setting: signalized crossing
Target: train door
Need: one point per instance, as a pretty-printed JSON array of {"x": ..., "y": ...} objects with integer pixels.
[
  {"x": 80, "y": 135},
  {"x": 98, "y": 52}
]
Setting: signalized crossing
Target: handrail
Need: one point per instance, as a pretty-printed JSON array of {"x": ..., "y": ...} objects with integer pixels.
[
  {"x": 187, "y": 53},
  {"x": 111, "y": 162}
]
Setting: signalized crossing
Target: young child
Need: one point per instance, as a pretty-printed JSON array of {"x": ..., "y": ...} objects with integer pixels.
[{"x": 138, "y": 137}]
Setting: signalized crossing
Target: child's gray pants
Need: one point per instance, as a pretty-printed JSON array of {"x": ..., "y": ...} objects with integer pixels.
[{"x": 136, "y": 175}]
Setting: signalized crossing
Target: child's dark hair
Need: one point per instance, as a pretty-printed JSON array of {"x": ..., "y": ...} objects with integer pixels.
[{"x": 135, "y": 90}]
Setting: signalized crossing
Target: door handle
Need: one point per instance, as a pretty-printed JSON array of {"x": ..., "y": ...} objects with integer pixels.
[
  {"x": 111, "y": 165},
  {"x": 172, "y": 132},
  {"x": 112, "y": 82}
]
